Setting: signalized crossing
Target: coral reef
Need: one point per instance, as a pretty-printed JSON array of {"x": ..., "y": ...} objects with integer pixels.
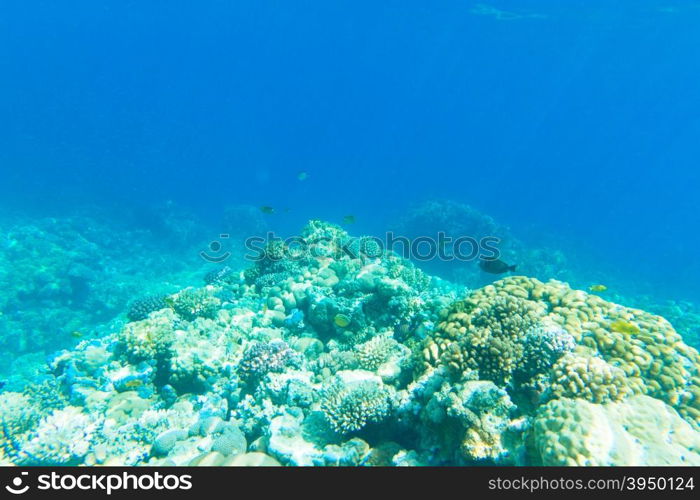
[
  {"x": 63, "y": 278},
  {"x": 344, "y": 357},
  {"x": 486, "y": 332}
]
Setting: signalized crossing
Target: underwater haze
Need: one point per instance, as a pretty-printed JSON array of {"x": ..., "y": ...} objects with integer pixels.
[{"x": 142, "y": 141}]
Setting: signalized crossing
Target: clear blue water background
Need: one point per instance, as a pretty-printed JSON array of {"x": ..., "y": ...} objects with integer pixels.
[{"x": 576, "y": 119}]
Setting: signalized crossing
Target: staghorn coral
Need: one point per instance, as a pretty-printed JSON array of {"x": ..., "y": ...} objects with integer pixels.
[
  {"x": 325, "y": 239},
  {"x": 222, "y": 276},
  {"x": 383, "y": 355}
]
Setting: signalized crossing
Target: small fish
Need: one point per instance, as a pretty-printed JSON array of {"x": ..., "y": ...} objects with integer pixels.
[
  {"x": 134, "y": 383},
  {"x": 622, "y": 326},
  {"x": 403, "y": 331},
  {"x": 3, "y": 383},
  {"x": 597, "y": 288},
  {"x": 267, "y": 210},
  {"x": 302, "y": 176},
  {"x": 496, "y": 266},
  {"x": 349, "y": 219},
  {"x": 76, "y": 334},
  {"x": 341, "y": 320}
]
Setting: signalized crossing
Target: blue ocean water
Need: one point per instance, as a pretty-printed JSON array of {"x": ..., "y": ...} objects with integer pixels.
[
  {"x": 127, "y": 129},
  {"x": 578, "y": 119}
]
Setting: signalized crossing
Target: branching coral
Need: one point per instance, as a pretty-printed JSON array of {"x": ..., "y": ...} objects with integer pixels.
[
  {"x": 262, "y": 358},
  {"x": 190, "y": 304},
  {"x": 62, "y": 438},
  {"x": 354, "y": 399}
]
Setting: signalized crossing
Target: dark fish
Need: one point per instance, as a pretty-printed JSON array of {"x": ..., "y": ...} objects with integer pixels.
[
  {"x": 3, "y": 383},
  {"x": 267, "y": 210},
  {"x": 496, "y": 266}
]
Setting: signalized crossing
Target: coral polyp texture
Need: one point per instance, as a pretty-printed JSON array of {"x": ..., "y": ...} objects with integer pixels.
[{"x": 351, "y": 355}]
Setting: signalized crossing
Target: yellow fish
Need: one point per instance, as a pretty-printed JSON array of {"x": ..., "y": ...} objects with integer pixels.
[
  {"x": 267, "y": 210},
  {"x": 622, "y": 326},
  {"x": 76, "y": 334},
  {"x": 597, "y": 288},
  {"x": 349, "y": 219},
  {"x": 341, "y": 320},
  {"x": 134, "y": 383}
]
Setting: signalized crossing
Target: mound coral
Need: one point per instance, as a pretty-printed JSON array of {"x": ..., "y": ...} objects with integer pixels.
[
  {"x": 486, "y": 332},
  {"x": 141, "y": 308},
  {"x": 190, "y": 304},
  {"x": 590, "y": 378},
  {"x": 639, "y": 431}
]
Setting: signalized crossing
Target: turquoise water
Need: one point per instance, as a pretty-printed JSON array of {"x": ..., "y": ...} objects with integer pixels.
[{"x": 197, "y": 204}]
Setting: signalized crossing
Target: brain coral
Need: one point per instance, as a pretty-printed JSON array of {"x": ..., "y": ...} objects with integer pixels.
[
  {"x": 485, "y": 332},
  {"x": 638, "y": 431}
]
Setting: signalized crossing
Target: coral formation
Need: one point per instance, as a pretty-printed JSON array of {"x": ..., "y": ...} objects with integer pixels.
[
  {"x": 141, "y": 308},
  {"x": 351, "y": 400},
  {"x": 639, "y": 431},
  {"x": 486, "y": 331},
  {"x": 351, "y": 355}
]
